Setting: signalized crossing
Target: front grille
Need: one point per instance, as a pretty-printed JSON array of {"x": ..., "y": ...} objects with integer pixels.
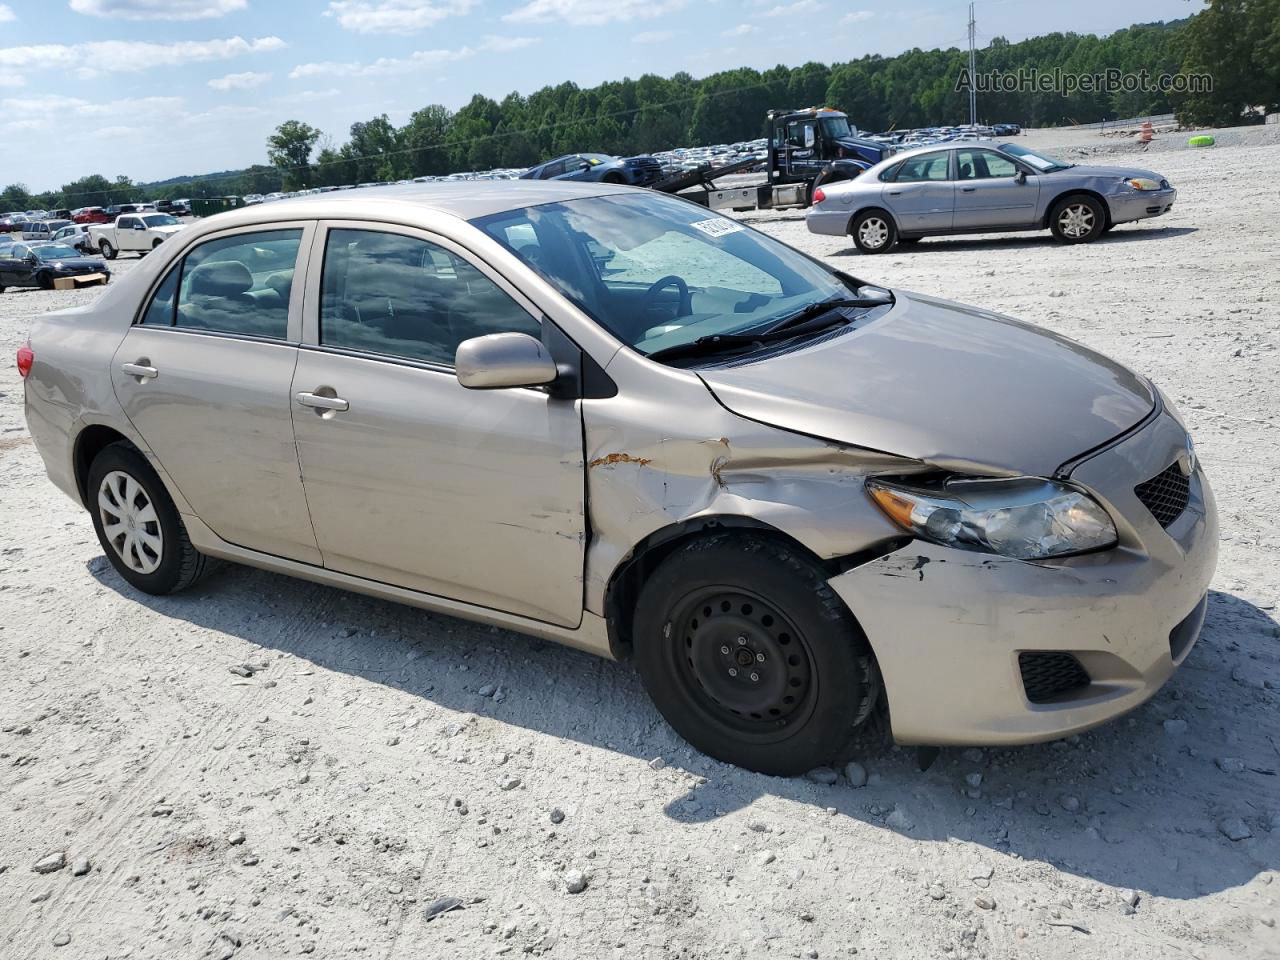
[
  {"x": 1049, "y": 676},
  {"x": 1166, "y": 494}
]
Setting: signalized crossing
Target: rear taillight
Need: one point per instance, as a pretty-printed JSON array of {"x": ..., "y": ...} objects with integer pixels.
[
  {"x": 819, "y": 196},
  {"x": 26, "y": 357}
]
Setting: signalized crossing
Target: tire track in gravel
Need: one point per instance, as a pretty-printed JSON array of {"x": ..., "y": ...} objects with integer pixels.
[{"x": 118, "y": 824}]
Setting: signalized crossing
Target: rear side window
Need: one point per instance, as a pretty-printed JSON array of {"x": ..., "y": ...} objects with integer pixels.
[
  {"x": 404, "y": 297},
  {"x": 930, "y": 166},
  {"x": 239, "y": 284},
  {"x": 159, "y": 312}
]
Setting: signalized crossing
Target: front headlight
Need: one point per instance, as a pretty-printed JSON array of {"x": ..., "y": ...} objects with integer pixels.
[
  {"x": 1143, "y": 183},
  {"x": 1025, "y": 518}
]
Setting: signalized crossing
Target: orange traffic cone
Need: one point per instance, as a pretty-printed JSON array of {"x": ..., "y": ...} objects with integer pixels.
[{"x": 1147, "y": 134}]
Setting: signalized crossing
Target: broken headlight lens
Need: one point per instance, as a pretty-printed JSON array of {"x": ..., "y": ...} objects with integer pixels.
[{"x": 1025, "y": 518}]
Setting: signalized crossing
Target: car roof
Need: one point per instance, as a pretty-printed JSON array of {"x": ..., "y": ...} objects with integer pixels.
[{"x": 464, "y": 199}]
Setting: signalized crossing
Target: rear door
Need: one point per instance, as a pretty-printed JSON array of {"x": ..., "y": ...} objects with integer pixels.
[
  {"x": 204, "y": 375},
  {"x": 921, "y": 196},
  {"x": 988, "y": 193},
  {"x": 413, "y": 480}
]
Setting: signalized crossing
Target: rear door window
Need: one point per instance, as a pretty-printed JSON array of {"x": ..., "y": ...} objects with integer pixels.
[
  {"x": 926, "y": 167},
  {"x": 239, "y": 284}
]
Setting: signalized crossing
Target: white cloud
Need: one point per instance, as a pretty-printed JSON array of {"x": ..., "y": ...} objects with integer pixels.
[
  {"x": 799, "y": 6},
  {"x": 419, "y": 60},
  {"x": 52, "y": 110},
  {"x": 592, "y": 12},
  {"x": 131, "y": 56},
  {"x": 240, "y": 81},
  {"x": 158, "y": 9},
  {"x": 6, "y": 13},
  {"x": 652, "y": 36},
  {"x": 394, "y": 16},
  {"x": 741, "y": 30},
  {"x": 12, "y": 80},
  {"x": 858, "y": 16},
  {"x": 304, "y": 96}
]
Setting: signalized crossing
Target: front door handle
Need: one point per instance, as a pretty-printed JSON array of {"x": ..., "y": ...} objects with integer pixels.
[
  {"x": 141, "y": 370},
  {"x": 321, "y": 403},
  {"x": 895, "y": 193},
  {"x": 968, "y": 189}
]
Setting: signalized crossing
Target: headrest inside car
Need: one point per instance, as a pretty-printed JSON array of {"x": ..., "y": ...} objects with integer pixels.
[{"x": 223, "y": 278}]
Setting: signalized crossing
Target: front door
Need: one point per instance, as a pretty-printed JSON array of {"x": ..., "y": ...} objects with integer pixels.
[
  {"x": 412, "y": 479},
  {"x": 920, "y": 195},
  {"x": 204, "y": 376},
  {"x": 989, "y": 194}
]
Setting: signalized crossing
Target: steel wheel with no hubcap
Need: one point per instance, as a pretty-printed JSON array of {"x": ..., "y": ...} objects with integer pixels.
[
  {"x": 747, "y": 667},
  {"x": 130, "y": 523},
  {"x": 1076, "y": 220}
]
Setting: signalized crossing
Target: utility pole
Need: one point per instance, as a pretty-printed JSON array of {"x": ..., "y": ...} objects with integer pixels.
[{"x": 973, "y": 75}]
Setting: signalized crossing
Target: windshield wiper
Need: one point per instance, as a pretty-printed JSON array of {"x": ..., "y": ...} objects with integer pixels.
[
  {"x": 815, "y": 317},
  {"x": 822, "y": 307}
]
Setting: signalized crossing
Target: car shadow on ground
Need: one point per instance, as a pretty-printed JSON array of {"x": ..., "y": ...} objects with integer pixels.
[
  {"x": 1120, "y": 235},
  {"x": 1137, "y": 803}
]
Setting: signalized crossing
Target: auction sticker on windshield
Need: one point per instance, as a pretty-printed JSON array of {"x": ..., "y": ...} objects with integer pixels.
[{"x": 717, "y": 226}]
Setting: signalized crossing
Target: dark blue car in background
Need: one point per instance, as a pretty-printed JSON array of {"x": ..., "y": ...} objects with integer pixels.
[{"x": 598, "y": 168}]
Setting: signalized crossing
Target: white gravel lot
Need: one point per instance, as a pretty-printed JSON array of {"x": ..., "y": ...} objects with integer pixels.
[{"x": 365, "y": 767}]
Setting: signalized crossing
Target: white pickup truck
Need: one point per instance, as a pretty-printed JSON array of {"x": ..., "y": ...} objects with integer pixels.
[{"x": 141, "y": 232}]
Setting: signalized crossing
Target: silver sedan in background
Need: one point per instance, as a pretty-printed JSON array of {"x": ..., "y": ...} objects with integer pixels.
[{"x": 984, "y": 187}]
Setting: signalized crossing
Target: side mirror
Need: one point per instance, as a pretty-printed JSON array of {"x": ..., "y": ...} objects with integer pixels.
[
  {"x": 1020, "y": 177},
  {"x": 500, "y": 360}
]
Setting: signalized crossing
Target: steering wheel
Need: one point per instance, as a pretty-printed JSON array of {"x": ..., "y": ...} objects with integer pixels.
[{"x": 685, "y": 306}]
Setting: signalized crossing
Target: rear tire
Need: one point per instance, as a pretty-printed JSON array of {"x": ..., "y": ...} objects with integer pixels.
[
  {"x": 874, "y": 232},
  {"x": 137, "y": 524},
  {"x": 798, "y": 676},
  {"x": 107, "y": 250},
  {"x": 1078, "y": 218}
]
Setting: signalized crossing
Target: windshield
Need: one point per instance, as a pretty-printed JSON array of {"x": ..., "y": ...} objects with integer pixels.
[
  {"x": 55, "y": 251},
  {"x": 657, "y": 272},
  {"x": 836, "y": 127},
  {"x": 160, "y": 220},
  {"x": 1038, "y": 160}
]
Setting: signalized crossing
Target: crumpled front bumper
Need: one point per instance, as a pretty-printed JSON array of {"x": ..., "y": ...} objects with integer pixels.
[
  {"x": 947, "y": 626},
  {"x": 1140, "y": 204}
]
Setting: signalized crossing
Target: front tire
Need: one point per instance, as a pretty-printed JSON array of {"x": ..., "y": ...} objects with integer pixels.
[
  {"x": 137, "y": 524},
  {"x": 874, "y": 232},
  {"x": 751, "y": 656},
  {"x": 1079, "y": 218},
  {"x": 44, "y": 281}
]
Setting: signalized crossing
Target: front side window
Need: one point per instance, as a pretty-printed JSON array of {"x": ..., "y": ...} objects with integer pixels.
[
  {"x": 160, "y": 220},
  {"x": 929, "y": 166},
  {"x": 397, "y": 295},
  {"x": 659, "y": 272},
  {"x": 983, "y": 165},
  {"x": 240, "y": 284}
]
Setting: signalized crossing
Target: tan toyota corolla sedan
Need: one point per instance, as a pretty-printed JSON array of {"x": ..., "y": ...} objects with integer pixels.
[{"x": 618, "y": 420}]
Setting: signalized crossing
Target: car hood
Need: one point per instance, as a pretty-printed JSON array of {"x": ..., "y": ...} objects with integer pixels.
[
  {"x": 166, "y": 230},
  {"x": 76, "y": 263},
  {"x": 953, "y": 386},
  {"x": 1090, "y": 171}
]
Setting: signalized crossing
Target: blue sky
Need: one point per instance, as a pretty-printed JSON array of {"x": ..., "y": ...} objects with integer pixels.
[{"x": 158, "y": 88}]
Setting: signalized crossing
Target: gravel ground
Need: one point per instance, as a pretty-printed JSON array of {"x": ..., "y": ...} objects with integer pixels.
[{"x": 264, "y": 767}]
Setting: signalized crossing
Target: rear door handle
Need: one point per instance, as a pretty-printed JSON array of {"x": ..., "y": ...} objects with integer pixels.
[
  {"x": 968, "y": 189},
  {"x": 895, "y": 193},
  {"x": 321, "y": 403},
  {"x": 140, "y": 370}
]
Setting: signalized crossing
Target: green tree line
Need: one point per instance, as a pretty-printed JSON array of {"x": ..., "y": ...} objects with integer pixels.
[{"x": 1236, "y": 42}]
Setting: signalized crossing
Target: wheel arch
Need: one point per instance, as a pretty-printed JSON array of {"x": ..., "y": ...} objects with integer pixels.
[
  {"x": 1074, "y": 192},
  {"x": 869, "y": 208},
  {"x": 89, "y": 443},
  {"x": 629, "y": 575}
]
